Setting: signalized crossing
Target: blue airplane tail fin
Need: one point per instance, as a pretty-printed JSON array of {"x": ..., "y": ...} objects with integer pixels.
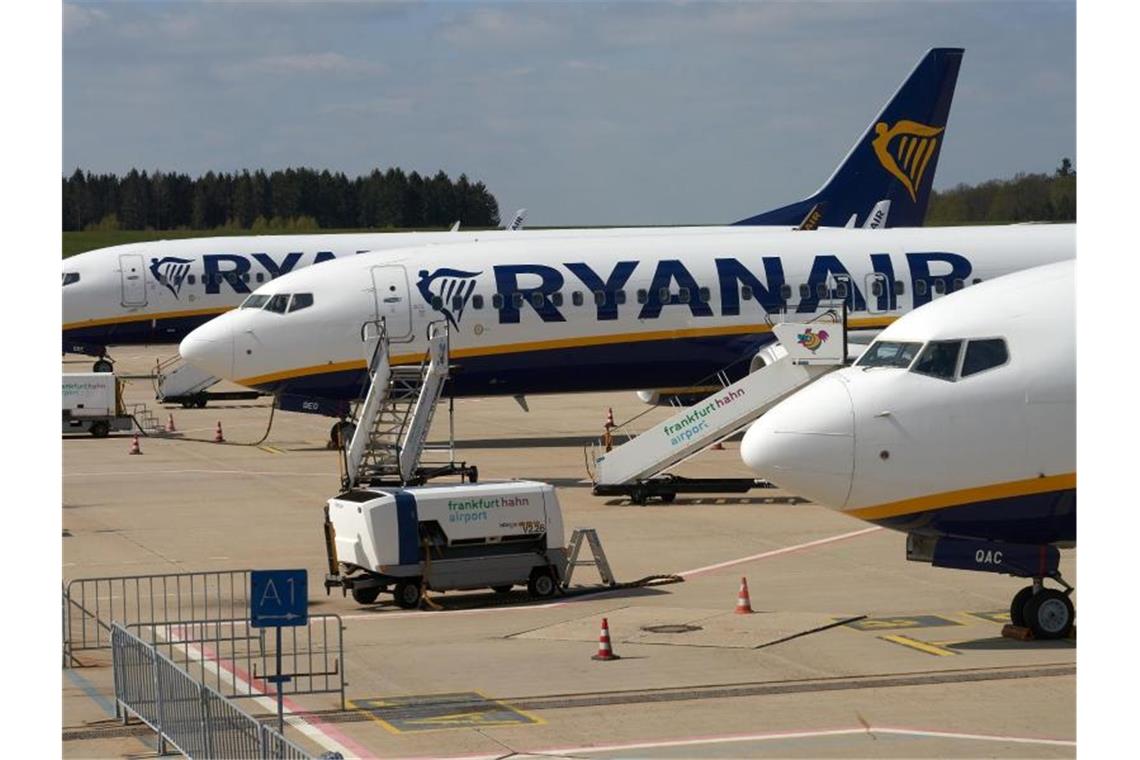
[{"x": 894, "y": 160}]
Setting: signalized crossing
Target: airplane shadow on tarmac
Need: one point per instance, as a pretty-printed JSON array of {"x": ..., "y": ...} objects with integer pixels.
[{"x": 1001, "y": 643}]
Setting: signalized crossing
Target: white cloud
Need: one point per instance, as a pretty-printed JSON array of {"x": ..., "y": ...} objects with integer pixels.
[
  {"x": 79, "y": 17},
  {"x": 302, "y": 64}
]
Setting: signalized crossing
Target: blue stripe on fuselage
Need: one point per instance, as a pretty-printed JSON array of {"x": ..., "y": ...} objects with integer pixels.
[{"x": 1040, "y": 518}]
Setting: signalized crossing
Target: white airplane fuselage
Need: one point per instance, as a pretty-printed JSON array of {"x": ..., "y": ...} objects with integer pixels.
[
  {"x": 972, "y": 435},
  {"x": 564, "y": 315}
]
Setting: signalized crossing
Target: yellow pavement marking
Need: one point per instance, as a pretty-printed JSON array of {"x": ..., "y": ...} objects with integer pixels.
[
  {"x": 271, "y": 449},
  {"x": 922, "y": 646}
]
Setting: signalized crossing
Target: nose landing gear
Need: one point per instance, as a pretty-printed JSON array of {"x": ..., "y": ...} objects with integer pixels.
[{"x": 1047, "y": 612}]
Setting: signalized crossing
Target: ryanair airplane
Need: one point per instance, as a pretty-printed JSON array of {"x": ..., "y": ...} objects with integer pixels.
[
  {"x": 157, "y": 292},
  {"x": 957, "y": 427},
  {"x": 590, "y": 314}
]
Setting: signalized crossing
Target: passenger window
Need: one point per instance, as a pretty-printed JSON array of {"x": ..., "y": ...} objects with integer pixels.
[
  {"x": 69, "y": 278},
  {"x": 231, "y": 278},
  {"x": 683, "y": 295},
  {"x": 278, "y": 303},
  {"x": 436, "y": 303},
  {"x": 940, "y": 285},
  {"x": 517, "y": 300},
  {"x": 959, "y": 284},
  {"x": 746, "y": 292},
  {"x": 255, "y": 301},
  {"x": 497, "y": 301},
  {"x": 300, "y": 301},
  {"x": 841, "y": 290},
  {"x": 939, "y": 359},
  {"x": 642, "y": 295},
  {"x": 477, "y": 302},
  {"x": 191, "y": 279},
  {"x": 984, "y": 354},
  {"x": 599, "y": 298},
  {"x": 576, "y": 298},
  {"x": 704, "y": 295},
  {"x": 920, "y": 287},
  {"x": 245, "y": 277},
  {"x": 977, "y": 280},
  {"x": 619, "y": 297},
  {"x": 876, "y": 288},
  {"x": 556, "y": 298},
  {"x": 785, "y": 291},
  {"x": 663, "y": 295},
  {"x": 900, "y": 287},
  {"x": 805, "y": 292},
  {"x": 457, "y": 303},
  {"x": 261, "y": 276},
  {"x": 821, "y": 290},
  {"x": 536, "y": 300}
]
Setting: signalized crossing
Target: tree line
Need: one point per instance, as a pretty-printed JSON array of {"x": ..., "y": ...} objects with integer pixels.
[
  {"x": 1025, "y": 198},
  {"x": 284, "y": 199}
]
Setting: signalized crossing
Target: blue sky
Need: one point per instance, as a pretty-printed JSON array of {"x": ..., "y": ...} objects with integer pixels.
[{"x": 585, "y": 113}]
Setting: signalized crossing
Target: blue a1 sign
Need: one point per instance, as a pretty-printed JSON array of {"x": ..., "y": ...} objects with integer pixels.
[{"x": 278, "y": 598}]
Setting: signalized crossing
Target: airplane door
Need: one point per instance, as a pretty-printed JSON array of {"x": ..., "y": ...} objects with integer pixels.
[
  {"x": 390, "y": 287},
  {"x": 876, "y": 293},
  {"x": 133, "y": 275}
]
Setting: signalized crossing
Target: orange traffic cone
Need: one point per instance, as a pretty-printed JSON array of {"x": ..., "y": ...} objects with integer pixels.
[
  {"x": 135, "y": 445},
  {"x": 170, "y": 424},
  {"x": 608, "y": 435},
  {"x": 218, "y": 438},
  {"x": 718, "y": 446},
  {"x": 609, "y": 418},
  {"x": 743, "y": 603},
  {"x": 605, "y": 651}
]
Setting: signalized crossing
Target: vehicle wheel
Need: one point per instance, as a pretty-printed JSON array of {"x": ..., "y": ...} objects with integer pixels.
[
  {"x": 100, "y": 429},
  {"x": 407, "y": 593},
  {"x": 103, "y": 365},
  {"x": 668, "y": 498},
  {"x": 187, "y": 404},
  {"x": 1017, "y": 606},
  {"x": 365, "y": 595},
  {"x": 638, "y": 496},
  {"x": 473, "y": 475},
  {"x": 541, "y": 584},
  {"x": 1049, "y": 614},
  {"x": 502, "y": 589},
  {"x": 200, "y": 403}
]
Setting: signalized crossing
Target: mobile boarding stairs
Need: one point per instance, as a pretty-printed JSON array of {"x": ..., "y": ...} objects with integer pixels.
[
  {"x": 176, "y": 382},
  {"x": 389, "y": 441},
  {"x": 805, "y": 351}
]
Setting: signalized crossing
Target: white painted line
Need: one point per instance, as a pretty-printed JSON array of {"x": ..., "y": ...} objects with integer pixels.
[
  {"x": 779, "y": 736},
  {"x": 777, "y": 552}
]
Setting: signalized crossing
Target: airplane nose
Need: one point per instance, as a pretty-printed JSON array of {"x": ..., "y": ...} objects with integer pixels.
[
  {"x": 210, "y": 348},
  {"x": 806, "y": 443}
]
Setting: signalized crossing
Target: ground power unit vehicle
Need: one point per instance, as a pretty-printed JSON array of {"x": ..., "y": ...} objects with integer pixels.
[
  {"x": 443, "y": 538},
  {"x": 93, "y": 403}
]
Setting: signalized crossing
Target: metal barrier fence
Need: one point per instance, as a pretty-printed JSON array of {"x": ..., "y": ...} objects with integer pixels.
[
  {"x": 234, "y": 658},
  {"x": 187, "y": 715},
  {"x": 200, "y": 621}
]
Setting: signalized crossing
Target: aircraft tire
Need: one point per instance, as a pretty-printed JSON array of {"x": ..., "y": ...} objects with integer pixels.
[
  {"x": 1049, "y": 614},
  {"x": 407, "y": 593},
  {"x": 1017, "y": 606}
]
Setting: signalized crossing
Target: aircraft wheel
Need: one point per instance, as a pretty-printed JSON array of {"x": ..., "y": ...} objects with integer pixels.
[
  {"x": 365, "y": 595},
  {"x": 1017, "y": 606},
  {"x": 1049, "y": 614},
  {"x": 407, "y": 593},
  {"x": 541, "y": 584},
  {"x": 102, "y": 365}
]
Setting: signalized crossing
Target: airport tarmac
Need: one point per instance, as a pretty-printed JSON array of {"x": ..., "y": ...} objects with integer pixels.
[{"x": 852, "y": 650}]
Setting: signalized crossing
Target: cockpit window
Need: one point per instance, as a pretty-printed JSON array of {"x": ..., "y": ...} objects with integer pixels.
[
  {"x": 278, "y": 303},
  {"x": 984, "y": 354},
  {"x": 255, "y": 301},
  {"x": 69, "y": 278},
  {"x": 889, "y": 354},
  {"x": 939, "y": 359},
  {"x": 300, "y": 301}
]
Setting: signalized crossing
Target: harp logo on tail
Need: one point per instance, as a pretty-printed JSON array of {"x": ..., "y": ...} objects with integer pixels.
[
  {"x": 907, "y": 158},
  {"x": 171, "y": 271},
  {"x": 447, "y": 291}
]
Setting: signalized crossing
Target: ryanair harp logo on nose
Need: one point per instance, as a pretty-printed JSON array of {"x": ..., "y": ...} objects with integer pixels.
[
  {"x": 170, "y": 271},
  {"x": 447, "y": 291},
  {"x": 908, "y": 157}
]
